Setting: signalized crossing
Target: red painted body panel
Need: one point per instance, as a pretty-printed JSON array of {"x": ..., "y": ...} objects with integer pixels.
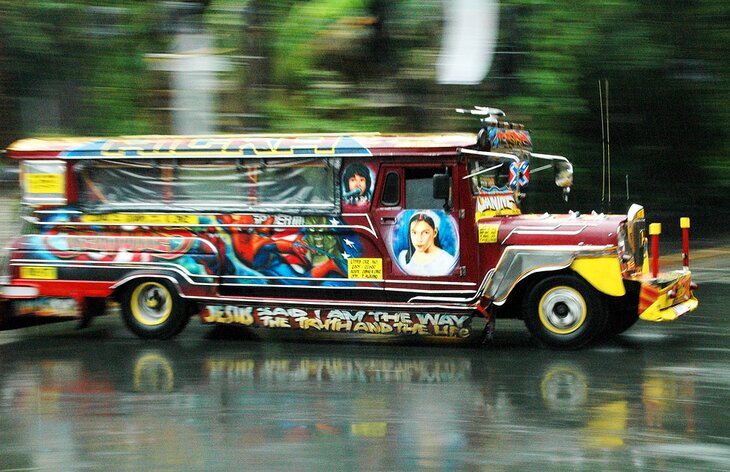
[
  {"x": 544, "y": 230},
  {"x": 547, "y": 230}
]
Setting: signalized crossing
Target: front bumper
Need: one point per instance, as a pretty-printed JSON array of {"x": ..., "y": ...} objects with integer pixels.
[{"x": 667, "y": 297}]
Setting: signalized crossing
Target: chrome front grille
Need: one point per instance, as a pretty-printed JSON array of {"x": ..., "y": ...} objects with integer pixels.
[
  {"x": 636, "y": 237},
  {"x": 638, "y": 245}
]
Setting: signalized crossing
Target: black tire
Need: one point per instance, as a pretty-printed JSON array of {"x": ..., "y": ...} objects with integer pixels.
[
  {"x": 5, "y": 312},
  {"x": 153, "y": 309},
  {"x": 620, "y": 320},
  {"x": 564, "y": 312},
  {"x": 94, "y": 307}
]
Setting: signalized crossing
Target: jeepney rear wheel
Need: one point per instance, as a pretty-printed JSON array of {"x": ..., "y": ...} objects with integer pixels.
[
  {"x": 153, "y": 309},
  {"x": 564, "y": 312}
]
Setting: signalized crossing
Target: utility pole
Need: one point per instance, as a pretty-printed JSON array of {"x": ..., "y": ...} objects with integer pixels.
[{"x": 193, "y": 66}]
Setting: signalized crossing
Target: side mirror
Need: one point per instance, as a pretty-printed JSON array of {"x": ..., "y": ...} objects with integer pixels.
[
  {"x": 563, "y": 173},
  {"x": 441, "y": 187}
]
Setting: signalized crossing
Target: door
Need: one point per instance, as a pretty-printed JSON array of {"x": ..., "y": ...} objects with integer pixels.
[{"x": 423, "y": 235}]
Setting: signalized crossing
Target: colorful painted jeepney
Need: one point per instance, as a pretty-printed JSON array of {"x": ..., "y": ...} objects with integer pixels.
[{"x": 359, "y": 233}]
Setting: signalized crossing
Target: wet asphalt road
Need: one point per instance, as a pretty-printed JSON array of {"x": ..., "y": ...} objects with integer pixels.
[{"x": 656, "y": 398}]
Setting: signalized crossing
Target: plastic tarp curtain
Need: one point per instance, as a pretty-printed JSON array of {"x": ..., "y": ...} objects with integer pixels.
[{"x": 302, "y": 186}]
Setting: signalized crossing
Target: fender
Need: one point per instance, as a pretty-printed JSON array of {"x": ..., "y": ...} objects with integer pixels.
[
  {"x": 592, "y": 263},
  {"x": 603, "y": 273}
]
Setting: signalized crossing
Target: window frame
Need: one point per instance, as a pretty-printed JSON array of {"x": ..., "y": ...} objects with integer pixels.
[{"x": 164, "y": 200}]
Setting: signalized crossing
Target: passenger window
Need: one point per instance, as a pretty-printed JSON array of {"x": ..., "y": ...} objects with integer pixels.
[
  {"x": 391, "y": 190},
  {"x": 419, "y": 188},
  {"x": 279, "y": 185},
  {"x": 113, "y": 184}
]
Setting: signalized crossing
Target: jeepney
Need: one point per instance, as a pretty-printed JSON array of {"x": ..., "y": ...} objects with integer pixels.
[{"x": 418, "y": 234}]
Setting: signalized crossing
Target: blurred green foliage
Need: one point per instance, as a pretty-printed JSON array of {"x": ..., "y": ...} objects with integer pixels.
[
  {"x": 86, "y": 54},
  {"x": 369, "y": 65}
]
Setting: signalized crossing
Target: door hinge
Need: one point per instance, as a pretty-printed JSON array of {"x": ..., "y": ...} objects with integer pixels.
[
  {"x": 462, "y": 271},
  {"x": 462, "y": 214}
]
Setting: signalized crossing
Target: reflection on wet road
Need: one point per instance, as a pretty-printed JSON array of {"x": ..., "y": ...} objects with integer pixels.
[{"x": 100, "y": 399}]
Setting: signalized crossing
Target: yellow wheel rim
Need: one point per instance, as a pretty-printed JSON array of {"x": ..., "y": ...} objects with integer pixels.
[
  {"x": 151, "y": 303},
  {"x": 562, "y": 310}
]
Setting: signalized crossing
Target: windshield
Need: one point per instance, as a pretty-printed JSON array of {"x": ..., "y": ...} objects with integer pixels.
[
  {"x": 490, "y": 177},
  {"x": 487, "y": 173}
]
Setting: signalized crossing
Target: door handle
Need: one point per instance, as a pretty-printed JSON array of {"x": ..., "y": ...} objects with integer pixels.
[{"x": 387, "y": 220}]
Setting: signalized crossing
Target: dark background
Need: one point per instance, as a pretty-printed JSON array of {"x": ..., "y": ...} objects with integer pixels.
[{"x": 108, "y": 68}]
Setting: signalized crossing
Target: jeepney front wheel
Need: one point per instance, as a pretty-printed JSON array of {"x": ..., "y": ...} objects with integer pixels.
[
  {"x": 153, "y": 309},
  {"x": 564, "y": 312}
]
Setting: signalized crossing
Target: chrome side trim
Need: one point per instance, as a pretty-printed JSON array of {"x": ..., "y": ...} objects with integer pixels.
[
  {"x": 336, "y": 303},
  {"x": 189, "y": 278},
  {"x": 368, "y": 229},
  {"x": 195, "y": 279},
  {"x": 469, "y": 299},
  {"x": 518, "y": 262}
]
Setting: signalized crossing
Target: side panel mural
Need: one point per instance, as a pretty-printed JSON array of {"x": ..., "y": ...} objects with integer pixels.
[
  {"x": 105, "y": 247},
  {"x": 425, "y": 243},
  {"x": 509, "y": 140},
  {"x": 289, "y": 250},
  {"x": 496, "y": 201},
  {"x": 337, "y": 320},
  {"x": 234, "y": 249},
  {"x": 358, "y": 185}
]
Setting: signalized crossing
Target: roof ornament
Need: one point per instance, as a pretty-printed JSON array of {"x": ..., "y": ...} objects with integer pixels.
[
  {"x": 489, "y": 115},
  {"x": 489, "y": 118}
]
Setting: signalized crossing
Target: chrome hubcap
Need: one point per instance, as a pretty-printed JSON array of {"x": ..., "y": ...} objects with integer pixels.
[
  {"x": 152, "y": 304},
  {"x": 562, "y": 310}
]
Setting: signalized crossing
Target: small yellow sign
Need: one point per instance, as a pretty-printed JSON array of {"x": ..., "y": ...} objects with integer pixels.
[
  {"x": 38, "y": 272},
  {"x": 488, "y": 233},
  {"x": 141, "y": 219},
  {"x": 45, "y": 183},
  {"x": 365, "y": 268},
  {"x": 373, "y": 429}
]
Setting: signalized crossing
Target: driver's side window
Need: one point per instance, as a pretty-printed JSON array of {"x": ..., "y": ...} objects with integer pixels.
[{"x": 419, "y": 188}]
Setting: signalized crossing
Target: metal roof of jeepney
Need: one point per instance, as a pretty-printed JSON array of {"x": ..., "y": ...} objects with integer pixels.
[{"x": 240, "y": 146}]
